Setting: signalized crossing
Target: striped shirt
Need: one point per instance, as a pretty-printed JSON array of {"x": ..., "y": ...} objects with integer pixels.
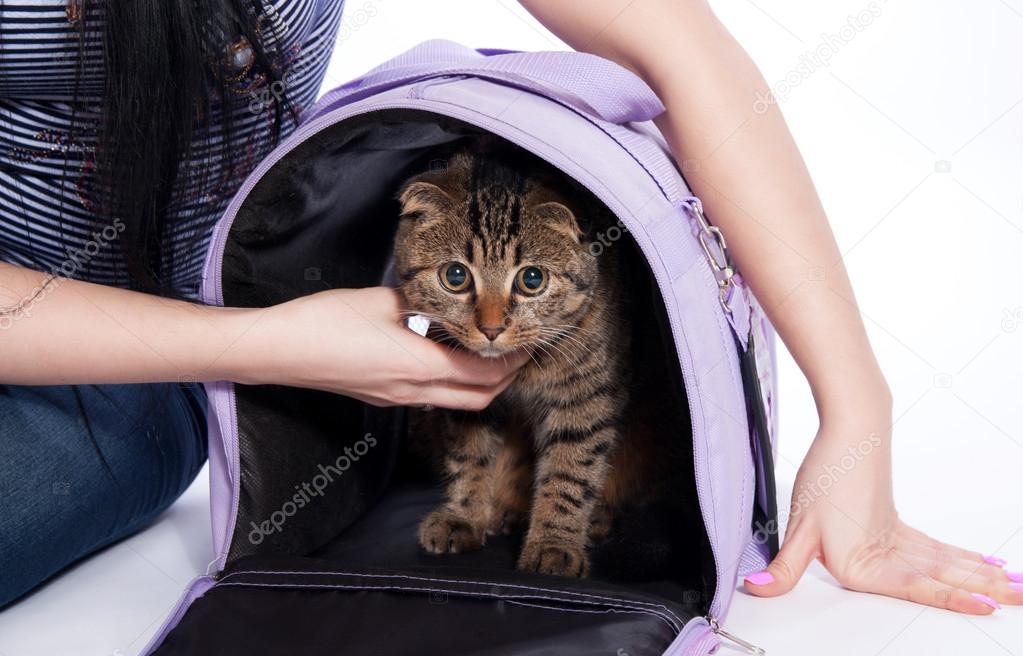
[{"x": 47, "y": 217}]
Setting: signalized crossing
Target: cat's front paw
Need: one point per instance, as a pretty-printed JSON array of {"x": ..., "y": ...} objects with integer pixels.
[
  {"x": 557, "y": 558},
  {"x": 442, "y": 532}
]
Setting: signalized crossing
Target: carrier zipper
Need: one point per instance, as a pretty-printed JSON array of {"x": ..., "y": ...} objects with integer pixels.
[{"x": 750, "y": 648}]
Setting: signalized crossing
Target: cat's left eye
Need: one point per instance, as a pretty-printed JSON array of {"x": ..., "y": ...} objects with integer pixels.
[
  {"x": 531, "y": 280},
  {"x": 455, "y": 277}
]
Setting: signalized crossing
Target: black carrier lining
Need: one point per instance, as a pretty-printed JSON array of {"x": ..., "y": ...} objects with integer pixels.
[{"x": 323, "y": 557}]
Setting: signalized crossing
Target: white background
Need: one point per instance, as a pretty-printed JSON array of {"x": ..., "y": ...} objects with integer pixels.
[{"x": 913, "y": 133}]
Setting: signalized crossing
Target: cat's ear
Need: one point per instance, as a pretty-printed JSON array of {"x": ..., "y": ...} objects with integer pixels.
[
  {"x": 436, "y": 190},
  {"x": 420, "y": 198},
  {"x": 558, "y": 216}
]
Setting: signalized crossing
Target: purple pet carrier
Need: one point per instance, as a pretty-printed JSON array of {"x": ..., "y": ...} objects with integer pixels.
[{"x": 313, "y": 520}]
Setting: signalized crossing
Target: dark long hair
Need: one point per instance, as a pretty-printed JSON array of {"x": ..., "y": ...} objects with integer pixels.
[{"x": 167, "y": 93}]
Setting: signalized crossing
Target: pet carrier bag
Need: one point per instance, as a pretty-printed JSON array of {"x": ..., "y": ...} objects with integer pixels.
[{"x": 313, "y": 522}]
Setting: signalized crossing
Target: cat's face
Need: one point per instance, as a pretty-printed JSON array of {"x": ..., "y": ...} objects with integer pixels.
[{"x": 492, "y": 256}]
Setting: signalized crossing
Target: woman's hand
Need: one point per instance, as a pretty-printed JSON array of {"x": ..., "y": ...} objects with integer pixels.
[
  {"x": 352, "y": 342},
  {"x": 843, "y": 514}
]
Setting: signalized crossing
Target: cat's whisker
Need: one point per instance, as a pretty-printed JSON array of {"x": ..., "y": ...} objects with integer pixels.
[
  {"x": 582, "y": 342},
  {"x": 574, "y": 345},
  {"x": 573, "y": 326},
  {"x": 547, "y": 343},
  {"x": 448, "y": 340},
  {"x": 568, "y": 355},
  {"x": 544, "y": 351},
  {"x": 529, "y": 352},
  {"x": 569, "y": 340},
  {"x": 534, "y": 341},
  {"x": 567, "y": 329},
  {"x": 541, "y": 339},
  {"x": 558, "y": 332}
]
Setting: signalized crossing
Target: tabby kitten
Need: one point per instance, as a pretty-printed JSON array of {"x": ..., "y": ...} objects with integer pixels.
[{"x": 491, "y": 250}]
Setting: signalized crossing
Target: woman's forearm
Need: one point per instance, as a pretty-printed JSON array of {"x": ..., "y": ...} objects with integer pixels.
[
  {"x": 744, "y": 165},
  {"x": 55, "y": 331},
  {"x": 753, "y": 182},
  {"x": 58, "y": 331}
]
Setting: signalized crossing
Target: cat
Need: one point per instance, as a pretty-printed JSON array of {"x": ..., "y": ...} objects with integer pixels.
[{"x": 492, "y": 248}]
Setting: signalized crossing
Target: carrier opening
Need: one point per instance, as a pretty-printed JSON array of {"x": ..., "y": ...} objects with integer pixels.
[{"x": 324, "y": 543}]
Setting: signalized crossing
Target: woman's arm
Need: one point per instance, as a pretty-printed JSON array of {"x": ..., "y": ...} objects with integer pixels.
[
  {"x": 744, "y": 165},
  {"x": 56, "y": 331}
]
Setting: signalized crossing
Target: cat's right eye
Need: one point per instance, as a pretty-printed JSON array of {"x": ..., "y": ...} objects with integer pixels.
[{"x": 455, "y": 277}]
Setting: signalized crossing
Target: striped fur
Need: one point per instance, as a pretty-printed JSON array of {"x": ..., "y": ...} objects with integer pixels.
[{"x": 545, "y": 451}]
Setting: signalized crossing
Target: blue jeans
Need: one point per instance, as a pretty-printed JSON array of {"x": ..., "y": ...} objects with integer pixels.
[{"x": 84, "y": 466}]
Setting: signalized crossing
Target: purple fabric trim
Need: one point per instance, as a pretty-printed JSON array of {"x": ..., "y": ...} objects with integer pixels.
[
  {"x": 223, "y": 445},
  {"x": 195, "y": 589},
  {"x": 587, "y": 82},
  {"x": 696, "y": 639},
  {"x": 754, "y": 558}
]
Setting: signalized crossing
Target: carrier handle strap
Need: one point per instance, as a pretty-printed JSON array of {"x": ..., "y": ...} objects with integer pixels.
[{"x": 586, "y": 82}]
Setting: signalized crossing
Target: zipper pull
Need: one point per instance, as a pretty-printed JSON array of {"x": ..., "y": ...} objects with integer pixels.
[
  {"x": 213, "y": 571},
  {"x": 750, "y": 648}
]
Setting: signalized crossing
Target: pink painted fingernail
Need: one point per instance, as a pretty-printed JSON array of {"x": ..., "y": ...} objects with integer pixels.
[
  {"x": 994, "y": 560},
  {"x": 987, "y": 600},
  {"x": 1018, "y": 587},
  {"x": 760, "y": 578},
  {"x": 1015, "y": 576}
]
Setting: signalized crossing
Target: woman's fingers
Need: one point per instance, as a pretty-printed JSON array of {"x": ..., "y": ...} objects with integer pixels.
[
  {"x": 438, "y": 393},
  {"x": 799, "y": 549},
  {"x": 441, "y": 363},
  {"x": 458, "y": 396},
  {"x": 943, "y": 553},
  {"x": 914, "y": 535},
  {"x": 897, "y": 578},
  {"x": 973, "y": 579},
  {"x": 470, "y": 369},
  {"x": 909, "y": 571}
]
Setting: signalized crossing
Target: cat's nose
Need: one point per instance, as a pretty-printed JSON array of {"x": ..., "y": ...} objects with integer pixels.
[{"x": 491, "y": 331}]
